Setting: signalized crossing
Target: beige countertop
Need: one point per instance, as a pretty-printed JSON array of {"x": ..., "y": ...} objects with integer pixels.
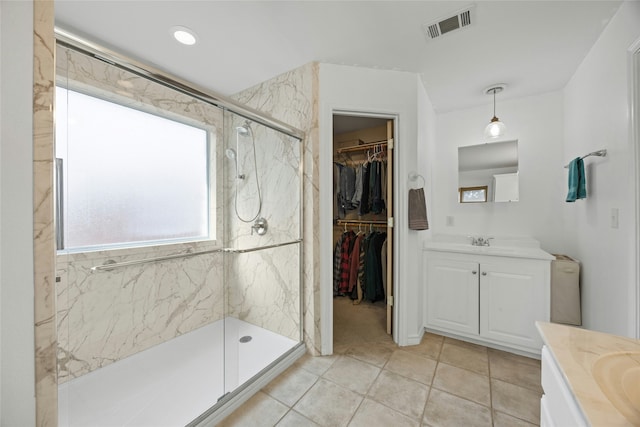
[
  {"x": 512, "y": 247},
  {"x": 575, "y": 351}
]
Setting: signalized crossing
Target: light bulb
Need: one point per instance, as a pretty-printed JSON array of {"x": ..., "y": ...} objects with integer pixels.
[{"x": 495, "y": 129}]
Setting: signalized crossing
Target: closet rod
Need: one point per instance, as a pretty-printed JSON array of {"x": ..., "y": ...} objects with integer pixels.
[
  {"x": 362, "y": 222},
  {"x": 362, "y": 147}
]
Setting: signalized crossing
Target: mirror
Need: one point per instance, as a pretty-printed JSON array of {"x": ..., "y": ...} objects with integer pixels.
[{"x": 488, "y": 172}]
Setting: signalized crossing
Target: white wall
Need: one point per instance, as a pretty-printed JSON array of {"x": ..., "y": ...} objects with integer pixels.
[
  {"x": 537, "y": 123},
  {"x": 17, "y": 406},
  {"x": 427, "y": 160},
  {"x": 597, "y": 116},
  {"x": 392, "y": 93}
]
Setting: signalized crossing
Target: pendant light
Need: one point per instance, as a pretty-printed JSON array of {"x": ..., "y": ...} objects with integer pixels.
[{"x": 495, "y": 128}]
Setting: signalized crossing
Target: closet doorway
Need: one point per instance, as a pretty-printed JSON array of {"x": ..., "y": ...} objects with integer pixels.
[{"x": 362, "y": 230}]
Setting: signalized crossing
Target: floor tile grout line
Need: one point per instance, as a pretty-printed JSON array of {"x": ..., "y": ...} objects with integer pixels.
[
  {"x": 438, "y": 360},
  {"x": 366, "y": 395},
  {"x": 356, "y": 411},
  {"x": 433, "y": 378},
  {"x": 493, "y": 421},
  {"x": 297, "y": 400}
]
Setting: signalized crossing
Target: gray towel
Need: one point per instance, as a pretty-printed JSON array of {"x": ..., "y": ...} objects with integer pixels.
[{"x": 417, "y": 210}]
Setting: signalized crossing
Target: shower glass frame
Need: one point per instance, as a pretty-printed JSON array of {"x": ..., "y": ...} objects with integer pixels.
[{"x": 86, "y": 47}]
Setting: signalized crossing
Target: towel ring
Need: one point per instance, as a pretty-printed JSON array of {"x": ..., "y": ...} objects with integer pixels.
[{"x": 413, "y": 176}]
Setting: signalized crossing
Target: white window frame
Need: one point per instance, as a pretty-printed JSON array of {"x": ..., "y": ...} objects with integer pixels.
[{"x": 214, "y": 139}]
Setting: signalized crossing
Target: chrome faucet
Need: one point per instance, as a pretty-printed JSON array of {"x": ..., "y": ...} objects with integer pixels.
[{"x": 480, "y": 240}]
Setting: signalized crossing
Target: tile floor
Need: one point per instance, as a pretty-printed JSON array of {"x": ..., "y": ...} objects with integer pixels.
[{"x": 373, "y": 382}]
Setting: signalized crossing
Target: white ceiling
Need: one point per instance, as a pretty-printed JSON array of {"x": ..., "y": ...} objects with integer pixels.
[{"x": 532, "y": 46}]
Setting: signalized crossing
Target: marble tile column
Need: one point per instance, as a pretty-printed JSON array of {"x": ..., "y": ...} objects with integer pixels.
[{"x": 43, "y": 228}]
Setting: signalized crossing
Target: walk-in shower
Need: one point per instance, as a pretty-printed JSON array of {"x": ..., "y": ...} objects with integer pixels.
[{"x": 169, "y": 310}]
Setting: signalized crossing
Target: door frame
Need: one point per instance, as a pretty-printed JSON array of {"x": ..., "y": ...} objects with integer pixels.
[
  {"x": 634, "y": 130},
  {"x": 326, "y": 225}
]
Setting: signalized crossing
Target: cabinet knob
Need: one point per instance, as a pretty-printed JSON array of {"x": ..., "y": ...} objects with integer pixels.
[
  {"x": 474, "y": 272},
  {"x": 484, "y": 273}
]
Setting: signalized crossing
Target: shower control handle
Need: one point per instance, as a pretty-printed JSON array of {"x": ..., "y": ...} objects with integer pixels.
[{"x": 260, "y": 227}]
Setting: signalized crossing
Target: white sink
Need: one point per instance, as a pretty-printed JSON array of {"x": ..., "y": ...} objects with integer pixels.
[
  {"x": 462, "y": 247},
  {"x": 507, "y": 247}
]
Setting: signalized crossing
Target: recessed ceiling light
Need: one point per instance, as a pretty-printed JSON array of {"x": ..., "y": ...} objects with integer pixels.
[{"x": 184, "y": 35}]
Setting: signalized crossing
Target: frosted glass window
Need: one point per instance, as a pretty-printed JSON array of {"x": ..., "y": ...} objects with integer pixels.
[{"x": 130, "y": 177}]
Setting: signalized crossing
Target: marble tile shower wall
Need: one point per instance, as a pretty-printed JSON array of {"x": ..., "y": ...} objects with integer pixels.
[
  {"x": 264, "y": 285},
  {"x": 292, "y": 98},
  {"x": 105, "y": 316}
]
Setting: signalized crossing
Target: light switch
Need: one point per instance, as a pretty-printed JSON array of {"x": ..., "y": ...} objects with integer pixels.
[
  {"x": 614, "y": 217},
  {"x": 449, "y": 221}
]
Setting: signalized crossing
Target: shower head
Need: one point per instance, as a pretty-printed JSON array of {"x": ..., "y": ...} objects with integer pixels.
[
  {"x": 231, "y": 153},
  {"x": 244, "y": 129}
]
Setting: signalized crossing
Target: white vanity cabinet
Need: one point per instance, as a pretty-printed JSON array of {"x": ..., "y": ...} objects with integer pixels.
[
  {"x": 558, "y": 406},
  {"x": 452, "y": 298},
  {"x": 490, "y": 299}
]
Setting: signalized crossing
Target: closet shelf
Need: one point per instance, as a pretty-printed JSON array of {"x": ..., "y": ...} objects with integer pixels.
[{"x": 362, "y": 147}]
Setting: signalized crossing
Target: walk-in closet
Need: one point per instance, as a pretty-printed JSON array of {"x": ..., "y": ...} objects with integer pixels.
[{"x": 362, "y": 229}]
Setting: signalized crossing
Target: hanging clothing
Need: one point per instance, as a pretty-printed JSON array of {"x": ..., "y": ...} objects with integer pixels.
[
  {"x": 383, "y": 181},
  {"x": 354, "y": 264},
  {"x": 357, "y": 195},
  {"x": 347, "y": 186},
  {"x": 345, "y": 258},
  {"x": 364, "y": 200},
  {"x": 337, "y": 258},
  {"x": 373, "y": 290},
  {"x": 377, "y": 203},
  {"x": 358, "y": 269},
  {"x": 360, "y": 282}
]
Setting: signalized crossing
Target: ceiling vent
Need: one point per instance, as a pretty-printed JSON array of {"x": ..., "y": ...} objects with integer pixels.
[{"x": 458, "y": 21}]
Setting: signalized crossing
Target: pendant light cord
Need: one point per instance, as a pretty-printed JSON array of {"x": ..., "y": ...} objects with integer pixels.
[{"x": 494, "y": 102}]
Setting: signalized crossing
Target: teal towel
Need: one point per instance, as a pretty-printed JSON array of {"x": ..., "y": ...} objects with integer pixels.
[{"x": 577, "y": 181}]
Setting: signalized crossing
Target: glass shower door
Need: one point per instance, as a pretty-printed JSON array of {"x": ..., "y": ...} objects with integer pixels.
[
  {"x": 140, "y": 264},
  {"x": 263, "y": 259}
]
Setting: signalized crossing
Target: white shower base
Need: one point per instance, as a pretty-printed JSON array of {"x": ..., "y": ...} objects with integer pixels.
[{"x": 172, "y": 383}]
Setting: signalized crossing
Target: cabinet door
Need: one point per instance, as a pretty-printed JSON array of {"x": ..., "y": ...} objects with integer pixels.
[
  {"x": 512, "y": 298},
  {"x": 452, "y": 295}
]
